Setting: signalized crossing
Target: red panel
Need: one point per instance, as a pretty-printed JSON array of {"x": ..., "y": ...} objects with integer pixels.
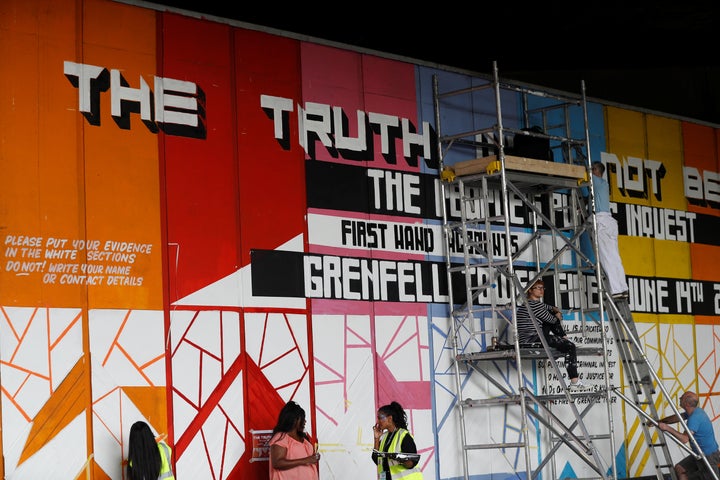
[
  {"x": 201, "y": 174},
  {"x": 265, "y": 403},
  {"x": 700, "y": 155},
  {"x": 272, "y": 177}
]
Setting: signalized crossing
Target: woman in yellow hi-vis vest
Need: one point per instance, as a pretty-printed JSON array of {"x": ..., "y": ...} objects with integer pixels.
[
  {"x": 147, "y": 458},
  {"x": 395, "y": 453}
]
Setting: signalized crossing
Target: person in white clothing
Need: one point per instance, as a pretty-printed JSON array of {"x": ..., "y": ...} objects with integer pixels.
[{"x": 607, "y": 235}]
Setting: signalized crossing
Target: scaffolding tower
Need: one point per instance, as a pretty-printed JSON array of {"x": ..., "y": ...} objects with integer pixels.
[{"x": 515, "y": 169}]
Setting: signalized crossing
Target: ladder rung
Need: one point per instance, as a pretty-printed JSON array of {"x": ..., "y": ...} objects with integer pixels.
[
  {"x": 496, "y": 218},
  {"x": 487, "y": 264},
  {"x": 469, "y": 402},
  {"x": 483, "y": 446}
]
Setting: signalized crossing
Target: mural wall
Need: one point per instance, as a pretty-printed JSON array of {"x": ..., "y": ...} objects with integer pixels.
[{"x": 200, "y": 222}]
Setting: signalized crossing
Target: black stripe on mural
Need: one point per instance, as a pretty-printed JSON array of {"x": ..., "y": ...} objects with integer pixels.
[
  {"x": 667, "y": 224},
  {"x": 347, "y": 278},
  {"x": 276, "y": 273},
  {"x": 362, "y": 189},
  {"x": 303, "y": 275}
]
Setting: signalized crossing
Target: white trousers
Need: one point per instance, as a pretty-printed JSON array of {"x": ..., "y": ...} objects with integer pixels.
[{"x": 610, "y": 260}]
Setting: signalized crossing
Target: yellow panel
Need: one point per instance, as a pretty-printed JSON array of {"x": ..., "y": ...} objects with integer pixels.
[
  {"x": 664, "y": 139},
  {"x": 624, "y": 128},
  {"x": 638, "y": 255},
  {"x": 672, "y": 259}
]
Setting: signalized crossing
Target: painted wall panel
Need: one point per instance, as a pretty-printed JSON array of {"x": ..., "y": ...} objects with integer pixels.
[
  {"x": 201, "y": 174},
  {"x": 42, "y": 175},
  {"x": 205, "y": 274},
  {"x": 121, "y": 159},
  {"x": 272, "y": 197},
  {"x": 700, "y": 167}
]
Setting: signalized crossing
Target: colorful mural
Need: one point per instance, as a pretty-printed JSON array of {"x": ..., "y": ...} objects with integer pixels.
[{"x": 200, "y": 222}]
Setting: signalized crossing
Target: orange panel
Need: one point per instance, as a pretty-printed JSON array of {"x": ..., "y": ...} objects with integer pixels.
[
  {"x": 39, "y": 152},
  {"x": 121, "y": 163}
]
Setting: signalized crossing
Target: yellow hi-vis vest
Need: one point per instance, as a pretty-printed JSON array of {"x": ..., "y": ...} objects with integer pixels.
[
  {"x": 397, "y": 470},
  {"x": 166, "y": 472}
]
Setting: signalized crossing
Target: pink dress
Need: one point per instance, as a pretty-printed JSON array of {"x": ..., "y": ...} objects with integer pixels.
[{"x": 295, "y": 450}]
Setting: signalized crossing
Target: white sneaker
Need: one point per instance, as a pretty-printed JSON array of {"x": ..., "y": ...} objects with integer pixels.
[{"x": 579, "y": 385}]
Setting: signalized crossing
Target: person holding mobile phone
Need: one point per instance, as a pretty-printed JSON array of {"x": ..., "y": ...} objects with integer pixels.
[{"x": 391, "y": 438}]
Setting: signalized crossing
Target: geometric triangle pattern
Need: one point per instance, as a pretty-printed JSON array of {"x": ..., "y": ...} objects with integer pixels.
[
  {"x": 128, "y": 381},
  {"x": 207, "y": 392},
  {"x": 44, "y": 386}
]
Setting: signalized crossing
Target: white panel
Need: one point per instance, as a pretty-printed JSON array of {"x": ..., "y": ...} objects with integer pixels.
[
  {"x": 101, "y": 338},
  {"x": 254, "y": 330},
  {"x": 278, "y": 339},
  {"x": 192, "y": 466},
  {"x": 183, "y": 414},
  {"x": 15, "y": 431},
  {"x": 120, "y": 353},
  {"x": 179, "y": 323},
  {"x": 20, "y": 318},
  {"x": 398, "y": 342},
  {"x": 345, "y": 395},
  {"x": 12, "y": 377},
  {"x": 286, "y": 369},
  {"x": 66, "y": 353},
  {"x": 186, "y": 372},
  {"x": 204, "y": 333},
  {"x": 33, "y": 353},
  {"x": 299, "y": 325},
  {"x": 211, "y": 375},
  {"x": 231, "y": 345},
  {"x": 32, "y": 389},
  {"x": 233, "y": 401},
  {"x": 61, "y": 320},
  {"x": 143, "y": 336},
  {"x": 66, "y": 453}
]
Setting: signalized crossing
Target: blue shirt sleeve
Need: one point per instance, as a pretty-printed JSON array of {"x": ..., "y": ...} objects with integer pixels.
[{"x": 601, "y": 189}]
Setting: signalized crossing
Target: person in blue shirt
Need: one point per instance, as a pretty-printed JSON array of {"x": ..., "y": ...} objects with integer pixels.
[
  {"x": 699, "y": 424},
  {"x": 607, "y": 235}
]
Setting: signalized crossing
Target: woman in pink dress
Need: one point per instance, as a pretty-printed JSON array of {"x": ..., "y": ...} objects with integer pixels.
[{"x": 292, "y": 454}]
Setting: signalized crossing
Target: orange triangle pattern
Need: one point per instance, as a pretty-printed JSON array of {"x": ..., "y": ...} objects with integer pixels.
[
  {"x": 70, "y": 399},
  {"x": 152, "y": 403},
  {"x": 97, "y": 473}
]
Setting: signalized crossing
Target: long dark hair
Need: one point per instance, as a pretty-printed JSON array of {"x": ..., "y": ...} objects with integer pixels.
[
  {"x": 289, "y": 414},
  {"x": 144, "y": 460},
  {"x": 395, "y": 410}
]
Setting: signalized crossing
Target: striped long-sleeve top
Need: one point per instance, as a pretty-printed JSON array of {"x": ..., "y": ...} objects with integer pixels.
[{"x": 544, "y": 314}]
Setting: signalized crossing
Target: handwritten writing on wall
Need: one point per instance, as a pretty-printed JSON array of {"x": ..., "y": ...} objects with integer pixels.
[{"x": 68, "y": 261}]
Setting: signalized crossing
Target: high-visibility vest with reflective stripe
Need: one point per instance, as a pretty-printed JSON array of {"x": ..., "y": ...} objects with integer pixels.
[
  {"x": 166, "y": 472},
  {"x": 397, "y": 470}
]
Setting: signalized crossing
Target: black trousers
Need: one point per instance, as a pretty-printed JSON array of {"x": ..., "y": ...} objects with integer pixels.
[
  {"x": 554, "y": 334},
  {"x": 696, "y": 469}
]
